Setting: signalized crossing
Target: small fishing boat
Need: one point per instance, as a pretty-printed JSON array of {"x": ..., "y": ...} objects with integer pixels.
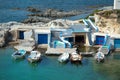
[
  {"x": 99, "y": 56},
  {"x": 34, "y": 56},
  {"x": 19, "y": 54},
  {"x": 64, "y": 57},
  {"x": 75, "y": 57}
]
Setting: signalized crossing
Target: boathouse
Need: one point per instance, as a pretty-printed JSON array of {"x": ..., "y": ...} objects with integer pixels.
[
  {"x": 115, "y": 41},
  {"x": 70, "y": 33},
  {"x": 42, "y": 35},
  {"x": 80, "y": 34},
  {"x": 59, "y": 34},
  {"x": 25, "y": 37},
  {"x": 25, "y": 34},
  {"x": 99, "y": 38},
  {"x": 21, "y": 33}
]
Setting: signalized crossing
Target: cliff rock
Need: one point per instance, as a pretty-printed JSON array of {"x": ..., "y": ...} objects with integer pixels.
[
  {"x": 108, "y": 21},
  {"x": 3, "y": 38}
]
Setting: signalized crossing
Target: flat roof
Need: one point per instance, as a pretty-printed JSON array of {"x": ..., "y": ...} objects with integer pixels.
[
  {"x": 42, "y": 31},
  {"x": 115, "y": 36},
  {"x": 79, "y": 28},
  {"x": 100, "y": 34}
]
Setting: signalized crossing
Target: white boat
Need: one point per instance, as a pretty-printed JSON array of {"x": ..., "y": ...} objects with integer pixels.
[
  {"x": 99, "y": 56},
  {"x": 64, "y": 57},
  {"x": 19, "y": 54},
  {"x": 34, "y": 56},
  {"x": 75, "y": 57}
]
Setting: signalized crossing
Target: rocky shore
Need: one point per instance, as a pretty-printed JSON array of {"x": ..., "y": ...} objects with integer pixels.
[
  {"x": 47, "y": 15},
  {"x": 5, "y": 33},
  {"x": 8, "y": 32}
]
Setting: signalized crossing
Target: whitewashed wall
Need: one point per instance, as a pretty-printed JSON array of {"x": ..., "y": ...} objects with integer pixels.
[
  {"x": 36, "y": 36},
  {"x": 116, "y": 4}
]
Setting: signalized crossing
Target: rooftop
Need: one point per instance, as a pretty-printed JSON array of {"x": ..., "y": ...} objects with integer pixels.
[
  {"x": 42, "y": 30},
  {"x": 79, "y": 28}
]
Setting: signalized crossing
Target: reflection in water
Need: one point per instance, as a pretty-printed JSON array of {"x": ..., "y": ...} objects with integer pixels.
[
  {"x": 17, "y": 60},
  {"x": 85, "y": 61},
  {"x": 110, "y": 68},
  {"x": 116, "y": 56},
  {"x": 33, "y": 65},
  {"x": 78, "y": 63}
]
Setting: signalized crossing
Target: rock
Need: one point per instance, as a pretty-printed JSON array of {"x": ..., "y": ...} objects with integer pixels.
[
  {"x": 49, "y": 14},
  {"x": 32, "y": 9},
  {"x": 3, "y": 38},
  {"x": 12, "y": 35},
  {"x": 108, "y": 21},
  {"x": 8, "y": 25},
  {"x": 36, "y": 19}
]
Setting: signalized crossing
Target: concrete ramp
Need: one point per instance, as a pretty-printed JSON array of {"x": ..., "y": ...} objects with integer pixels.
[
  {"x": 28, "y": 49},
  {"x": 58, "y": 51}
]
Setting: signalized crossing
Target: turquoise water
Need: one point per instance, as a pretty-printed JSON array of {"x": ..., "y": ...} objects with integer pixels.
[{"x": 50, "y": 69}]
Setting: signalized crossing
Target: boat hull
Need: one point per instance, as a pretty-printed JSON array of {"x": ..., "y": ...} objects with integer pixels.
[
  {"x": 20, "y": 54},
  {"x": 99, "y": 60},
  {"x": 33, "y": 60},
  {"x": 63, "y": 61},
  {"x": 64, "y": 57},
  {"x": 99, "y": 57},
  {"x": 72, "y": 60},
  {"x": 75, "y": 58},
  {"x": 18, "y": 57},
  {"x": 35, "y": 56}
]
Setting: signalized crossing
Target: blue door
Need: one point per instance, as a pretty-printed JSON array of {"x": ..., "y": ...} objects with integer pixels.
[
  {"x": 21, "y": 34},
  {"x": 42, "y": 38},
  {"x": 100, "y": 40},
  {"x": 117, "y": 43}
]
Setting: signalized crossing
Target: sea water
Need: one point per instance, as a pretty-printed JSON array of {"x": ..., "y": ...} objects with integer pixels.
[
  {"x": 50, "y": 69},
  {"x": 15, "y": 10}
]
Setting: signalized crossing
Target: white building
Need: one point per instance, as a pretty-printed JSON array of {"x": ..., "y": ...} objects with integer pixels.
[{"x": 116, "y": 4}]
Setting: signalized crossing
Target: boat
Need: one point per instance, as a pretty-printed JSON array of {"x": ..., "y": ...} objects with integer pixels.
[
  {"x": 64, "y": 57},
  {"x": 75, "y": 57},
  {"x": 19, "y": 54},
  {"x": 34, "y": 56},
  {"x": 99, "y": 56}
]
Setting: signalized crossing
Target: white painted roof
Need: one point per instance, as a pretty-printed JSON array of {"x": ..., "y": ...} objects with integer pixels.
[
  {"x": 79, "y": 28},
  {"x": 100, "y": 34},
  {"x": 42, "y": 31},
  {"x": 115, "y": 36}
]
